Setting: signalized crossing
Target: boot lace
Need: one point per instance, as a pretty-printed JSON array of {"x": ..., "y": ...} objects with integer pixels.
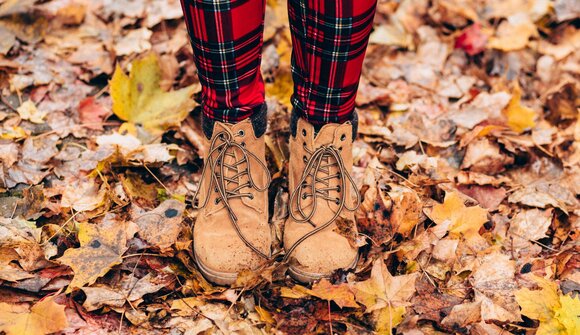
[
  {"x": 318, "y": 186},
  {"x": 224, "y": 145}
]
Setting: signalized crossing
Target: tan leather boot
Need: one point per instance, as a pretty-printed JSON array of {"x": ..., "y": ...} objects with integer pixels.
[
  {"x": 231, "y": 232},
  {"x": 321, "y": 193}
]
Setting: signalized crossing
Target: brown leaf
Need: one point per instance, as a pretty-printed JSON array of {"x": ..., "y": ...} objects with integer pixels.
[
  {"x": 101, "y": 248},
  {"x": 45, "y": 317},
  {"x": 161, "y": 226}
]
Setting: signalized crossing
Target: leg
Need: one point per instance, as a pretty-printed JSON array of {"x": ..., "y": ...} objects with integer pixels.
[
  {"x": 329, "y": 40},
  {"x": 226, "y": 36},
  {"x": 231, "y": 231}
]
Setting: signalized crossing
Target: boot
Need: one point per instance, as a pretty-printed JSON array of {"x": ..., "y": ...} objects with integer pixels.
[
  {"x": 231, "y": 232},
  {"x": 322, "y": 192}
]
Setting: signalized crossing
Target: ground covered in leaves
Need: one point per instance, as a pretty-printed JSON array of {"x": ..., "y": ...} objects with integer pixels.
[{"x": 467, "y": 161}]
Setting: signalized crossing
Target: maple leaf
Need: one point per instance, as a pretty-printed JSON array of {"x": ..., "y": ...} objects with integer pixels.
[
  {"x": 45, "y": 317},
  {"x": 385, "y": 293},
  {"x": 341, "y": 294},
  {"x": 463, "y": 220},
  {"x": 138, "y": 98},
  {"x": 519, "y": 117},
  {"x": 557, "y": 313},
  {"x": 101, "y": 248}
]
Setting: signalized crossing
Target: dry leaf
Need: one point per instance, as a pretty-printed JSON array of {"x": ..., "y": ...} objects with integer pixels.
[
  {"x": 138, "y": 99},
  {"x": 557, "y": 313},
  {"x": 101, "y": 248},
  {"x": 519, "y": 117},
  {"x": 45, "y": 317},
  {"x": 462, "y": 220},
  {"x": 161, "y": 226}
]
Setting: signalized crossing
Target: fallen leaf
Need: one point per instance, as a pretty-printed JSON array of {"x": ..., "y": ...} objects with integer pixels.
[
  {"x": 519, "y": 117},
  {"x": 29, "y": 111},
  {"x": 529, "y": 225},
  {"x": 161, "y": 226},
  {"x": 472, "y": 40},
  {"x": 463, "y": 220},
  {"x": 138, "y": 99},
  {"x": 557, "y": 313},
  {"x": 135, "y": 41},
  {"x": 386, "y": 295},
  {"x": 101, "y": 248},
  {"x": 92, "y": 113},
  {"x": 45, "y": 317},
  {"x": 484, "y": 156},
  {"x": 83, "y": 195},
  {"x": 494, "y": 285},
  {"x": 340, "y": 294},
  {"x": 514, "y": 33}
]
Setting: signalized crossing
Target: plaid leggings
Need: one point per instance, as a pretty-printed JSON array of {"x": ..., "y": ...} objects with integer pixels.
[{"x": 329, "y": 39}]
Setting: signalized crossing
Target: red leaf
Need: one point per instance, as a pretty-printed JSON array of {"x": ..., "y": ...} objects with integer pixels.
[
  {"x": 92, "y": 113},
  {"x": 472, "y": 40}
]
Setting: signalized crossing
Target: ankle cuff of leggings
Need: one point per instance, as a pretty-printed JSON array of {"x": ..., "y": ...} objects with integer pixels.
[{"x": 259, "y": 121}]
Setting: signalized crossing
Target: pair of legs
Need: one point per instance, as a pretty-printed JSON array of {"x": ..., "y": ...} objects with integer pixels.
[{"x": 329, "y": 39}]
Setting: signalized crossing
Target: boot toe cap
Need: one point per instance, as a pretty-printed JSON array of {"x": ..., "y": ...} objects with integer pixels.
[
  {"x": 221, "y": 254},
  {"x": 320, "y": 255}
]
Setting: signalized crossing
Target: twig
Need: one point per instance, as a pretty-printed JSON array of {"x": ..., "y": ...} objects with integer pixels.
[{"x": 7, "y": 104}]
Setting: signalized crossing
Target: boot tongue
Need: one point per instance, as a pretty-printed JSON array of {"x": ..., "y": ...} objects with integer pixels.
[{"x": 326, "y": 134}]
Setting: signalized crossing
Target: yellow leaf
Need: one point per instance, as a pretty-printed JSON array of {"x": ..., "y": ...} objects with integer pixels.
[
  {"x": 388, "y": 318},
  {"x": 383, "y": 289},
  {"x": 265, "y": 315},
  {"x": 139, "y": 99},
  {"x": 296, "y": 292},
  {"x": 281, "y": 88},
  {"x": 463, "y": 220},
  {"x": 101, "y": 248},
  {"x": 569, "y": 314},
  {"x": 519, "y": 117},
  {"x": 28, "y": 111},
  {"x": 11, "y": 133},
  {"x": 45, "y": 317},
  {"x": 558, "y": 314}
]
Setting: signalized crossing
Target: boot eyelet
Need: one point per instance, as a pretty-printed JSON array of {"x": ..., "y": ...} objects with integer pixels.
[
  {"x": 337, "y": 201},
  {"x": 339, "y": 148},
  {"x": 303, "y": 132},
  {"x": 217, "y": 201},
  {"x": 243, "y": 144},
  {"x": 304, "y": 196},
  {"x": 343, "y": 137},
  {"x": 251, "y": 196},
  {"x": 304, "y": 159},
  {"x": 338, "y": 189},
  {"x": 215, "y": 190},
  {"x": 241, "y": 132}
]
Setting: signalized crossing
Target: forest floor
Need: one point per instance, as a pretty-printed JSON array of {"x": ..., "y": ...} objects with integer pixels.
[{"x": 467, "y": 162}]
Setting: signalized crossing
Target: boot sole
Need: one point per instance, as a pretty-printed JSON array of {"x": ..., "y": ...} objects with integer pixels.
[
  {"x": 308, "y": 277},
  {"x": 216, "y": 277}
]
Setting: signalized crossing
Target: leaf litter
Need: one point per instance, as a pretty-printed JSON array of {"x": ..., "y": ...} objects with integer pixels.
[{"x": 467, "y": 162}]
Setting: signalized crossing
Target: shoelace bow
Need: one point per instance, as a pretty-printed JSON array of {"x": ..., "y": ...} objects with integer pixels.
[
  {"x": 318, "y": 169},
  {"x": 224, "y": 144}
]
